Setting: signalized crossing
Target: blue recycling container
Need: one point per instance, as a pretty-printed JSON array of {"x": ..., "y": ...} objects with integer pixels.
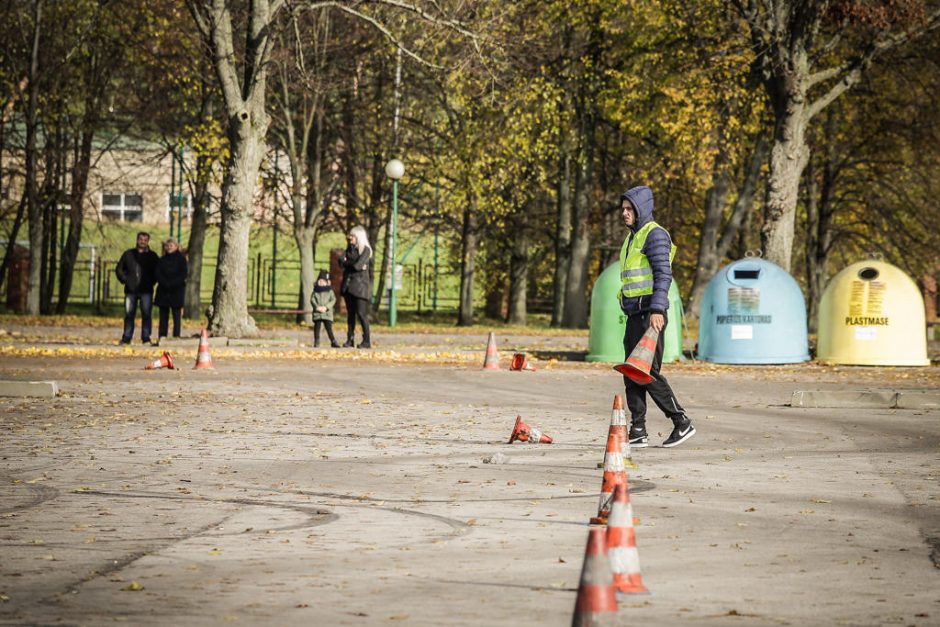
[{"x": 753, "y": 312}]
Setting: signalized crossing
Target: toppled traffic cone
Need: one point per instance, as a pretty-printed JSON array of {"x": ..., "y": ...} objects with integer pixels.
[
  {"x": 638, "y": 364},
  {"x": 597, "y": 598},
  {"x": 520, "y": 362},
  {"x": 203, "y": 358},
  {"x": 621, "y": 544},
  {"x": 524, "y": 433},
  {"x": 491, "y": 361},
  {"x": 165, "y": 361},
  {"x": 614, "y": 475}
]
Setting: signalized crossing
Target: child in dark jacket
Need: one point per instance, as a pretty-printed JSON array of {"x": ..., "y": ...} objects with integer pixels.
[{"x": 323, "y": 301}]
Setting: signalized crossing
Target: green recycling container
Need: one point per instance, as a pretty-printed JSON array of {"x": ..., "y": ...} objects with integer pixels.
[{"x": 608, "y": 323}]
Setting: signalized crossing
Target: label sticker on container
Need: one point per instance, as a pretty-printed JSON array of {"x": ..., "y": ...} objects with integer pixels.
[
  {"x": 742, "y": 332},
  {"x": 743, "y": 300},
  {"x": 866, "y": 333}
]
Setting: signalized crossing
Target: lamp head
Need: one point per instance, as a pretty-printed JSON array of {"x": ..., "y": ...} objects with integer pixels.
[{"x": 394, "y": 169}]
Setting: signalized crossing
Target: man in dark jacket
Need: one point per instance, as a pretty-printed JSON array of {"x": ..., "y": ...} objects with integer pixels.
[
  {"x": 646, "y": 273},
  {"x": 136, "y": 269}
]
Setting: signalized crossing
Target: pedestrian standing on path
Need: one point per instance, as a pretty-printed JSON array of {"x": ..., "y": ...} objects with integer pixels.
[
  {"x": 171, "y": 286},
  {"x": 323, "y": 301},
  {"x": 357, "y": 288},
  {"x": 645, "y": 275},
  {"x": 136, "y": 269}
]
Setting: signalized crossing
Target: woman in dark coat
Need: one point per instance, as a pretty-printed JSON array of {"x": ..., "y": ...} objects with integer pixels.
[
  {"x": 171, "y": 288},
  {"x": 356, "y": 287}
]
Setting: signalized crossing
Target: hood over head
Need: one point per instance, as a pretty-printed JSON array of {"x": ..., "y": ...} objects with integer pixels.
[{"x": 641, "y": 198}]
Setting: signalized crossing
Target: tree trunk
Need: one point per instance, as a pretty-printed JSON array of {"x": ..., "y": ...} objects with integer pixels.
[
  {"x": 80, "y": 170},
  {"x": 708, "y": 257},
  {"x": 518, "y": 274},
  {"x": 11, "y": 238},
  {"x": 576, "y": 302},
  {"x": 715, "y": 242},
  {"x": 229, "y": 316},
  {"x": 305, "y": 237},
  {"x": 562, "y": 233},
  {"x": 34, "y": 210},
  {"x": 787, "y": 160},
  {"x": 819, "y": 235},
  {"x": 468, "y": 260},
  {"x": 195, "y": 247}
]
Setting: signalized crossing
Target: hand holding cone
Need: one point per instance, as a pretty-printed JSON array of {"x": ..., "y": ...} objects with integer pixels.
[{"x": 638, "y": 364}]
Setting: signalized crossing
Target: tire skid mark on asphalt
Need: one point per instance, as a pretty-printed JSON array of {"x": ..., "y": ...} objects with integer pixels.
[
  {"x": 314, "y": 518},
  {"x": 557, "y": 446},
  {"x": 646, "y": 485},
  {"x": 40, "y": 494}
]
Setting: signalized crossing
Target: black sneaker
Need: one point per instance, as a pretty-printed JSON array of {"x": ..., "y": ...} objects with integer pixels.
[
  {"x": 680, "y": 434},
  {"x": 349, "y": 343},
  {"x": 638, "y": 437}
]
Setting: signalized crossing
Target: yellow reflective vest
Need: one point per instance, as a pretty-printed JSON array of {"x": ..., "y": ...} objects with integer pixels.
[{"x": 636, "y": 274}]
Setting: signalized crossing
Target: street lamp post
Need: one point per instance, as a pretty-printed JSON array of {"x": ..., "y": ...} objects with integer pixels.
[{"x": 394, "y": 169}]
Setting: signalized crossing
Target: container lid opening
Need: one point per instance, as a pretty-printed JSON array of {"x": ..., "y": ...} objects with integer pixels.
[
  {"x": 868, "y": 274},
  {"x": 746, "y": 274}
]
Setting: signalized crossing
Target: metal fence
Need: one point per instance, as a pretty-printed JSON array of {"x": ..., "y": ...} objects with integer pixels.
[{"x": 274, "y": 285}]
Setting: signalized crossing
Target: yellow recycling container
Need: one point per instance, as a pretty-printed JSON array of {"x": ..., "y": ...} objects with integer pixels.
[{"x": 872, "y": 314}]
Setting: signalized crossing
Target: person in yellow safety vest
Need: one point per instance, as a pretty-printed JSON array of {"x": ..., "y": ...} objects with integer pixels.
[{"x": 645, "y": 275}]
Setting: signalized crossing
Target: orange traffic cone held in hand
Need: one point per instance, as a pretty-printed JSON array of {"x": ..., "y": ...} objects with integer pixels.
[
  {"x": 520, "y": 362},
  {"x": 203, "y": 358},
  {"x": 621, "y": 544},
  {"x": 165, "y": 361},
  {"x": 614, "y": 475},
  {"x": 638, "y": 364},
  {"x": 597, "y": 599},
  {"x": 491, "y": 361},
  {"x": 524, "y": 433}
]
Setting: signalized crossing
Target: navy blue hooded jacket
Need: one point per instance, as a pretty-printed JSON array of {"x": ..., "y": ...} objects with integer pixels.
[{"x": 656, "y": 249}]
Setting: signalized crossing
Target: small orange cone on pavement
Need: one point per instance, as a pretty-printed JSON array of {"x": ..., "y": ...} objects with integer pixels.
[
  {"x": 203, "y": 358},
  {"x": 638, "y": 364},
  {"x": 165, "y": 361},
  {"x": 597, "y": 598},
  {"x": 520, "y": 362},
  {"x": 614, "y": 475},
  {"x": 621, "y": 544},
  {"x": 491, "y": 361},
  {"x": 524, "y": 433}
]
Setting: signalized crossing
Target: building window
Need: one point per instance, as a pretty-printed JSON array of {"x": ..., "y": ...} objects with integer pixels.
[{"x": 122, "y": 207}]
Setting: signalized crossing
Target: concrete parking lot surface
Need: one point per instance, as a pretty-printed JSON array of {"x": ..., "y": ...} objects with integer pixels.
[{"x": 279, "y": 491}]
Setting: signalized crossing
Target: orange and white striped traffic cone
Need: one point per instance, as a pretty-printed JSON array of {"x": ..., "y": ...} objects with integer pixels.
[
  {"x": 597, "y": 598},
  {"x": 638, "y": 364},
  {"x": 203, "y": 358},
  {"x": 520, "y": 362},
  {"x": 524, "y": 433},
  {"x": 165, "y": 361},
  {"x": 614, "y": 475},
  {"x": 618, "y": 426},
  {"x": 621, "y": 544},
  {"x": 491, "y": 361}
]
